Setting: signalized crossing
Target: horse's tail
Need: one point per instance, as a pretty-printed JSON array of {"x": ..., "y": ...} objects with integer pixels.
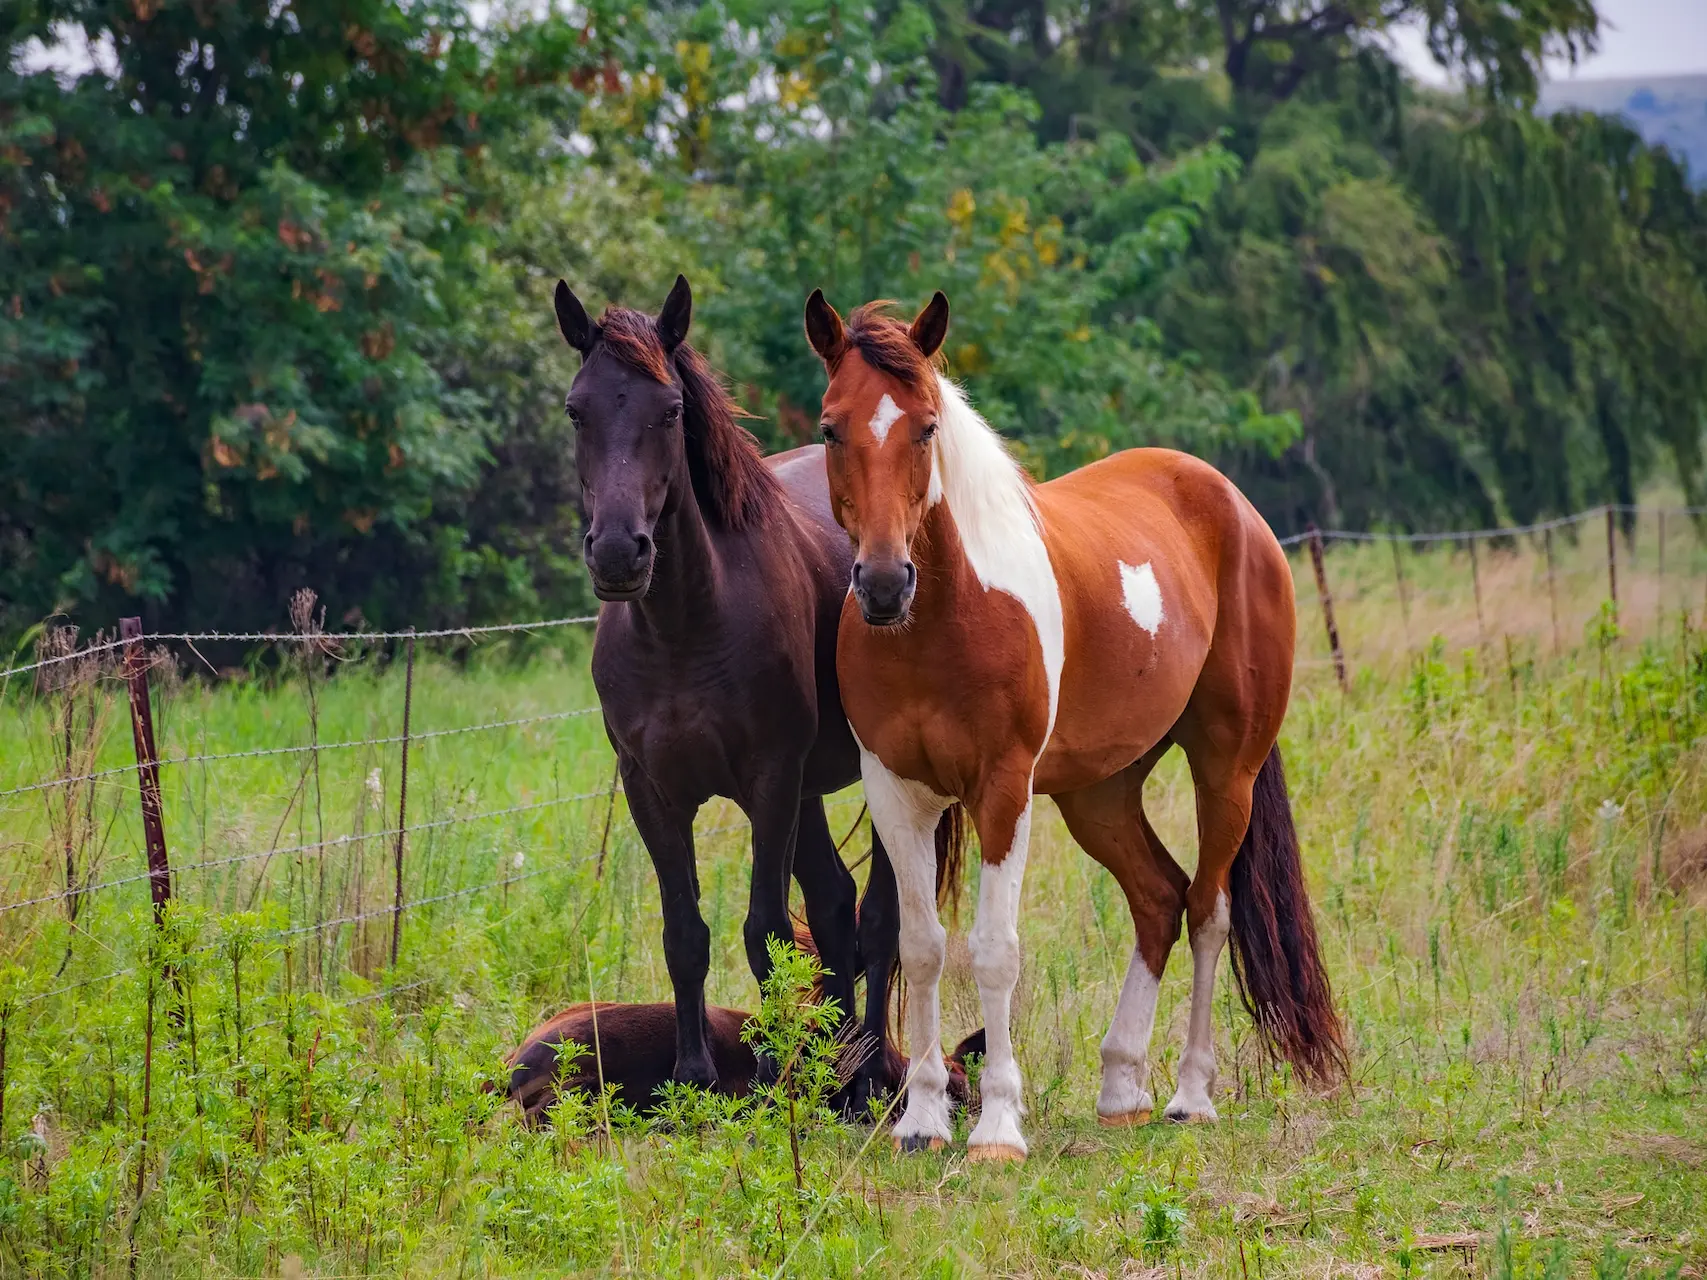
[
  {"x": 1277, "y": 959},
  {"x": 950, "y": 857}
]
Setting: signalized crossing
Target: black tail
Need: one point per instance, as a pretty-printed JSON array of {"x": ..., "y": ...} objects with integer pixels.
[{"x": 1277, "y": 960}]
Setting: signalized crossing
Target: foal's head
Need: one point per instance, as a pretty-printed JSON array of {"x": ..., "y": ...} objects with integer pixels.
[
  {"x": 880, "y": 416},
  {"x": 653, "y": 428}
]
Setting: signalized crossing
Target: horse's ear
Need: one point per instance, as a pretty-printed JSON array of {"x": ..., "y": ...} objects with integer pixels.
[
  {"x": 931, "y": 327},
  {"x": 677, "y": 314},
  {"x": 824, "y": 328},
  {"x": 578, "y": 330}
]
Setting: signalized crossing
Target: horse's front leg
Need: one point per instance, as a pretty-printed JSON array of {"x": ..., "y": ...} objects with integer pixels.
[
  {"x": 1002, "y": 814},
  {"x": 905, "y": 815},
  {"x": 667, "y": 831}
]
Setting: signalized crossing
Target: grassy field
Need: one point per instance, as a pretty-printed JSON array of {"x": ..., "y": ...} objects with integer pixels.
[{"x": 1507, "y": 844}]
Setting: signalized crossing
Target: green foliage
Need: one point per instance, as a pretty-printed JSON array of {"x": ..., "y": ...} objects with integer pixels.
[{"x": 273, "y": 296}]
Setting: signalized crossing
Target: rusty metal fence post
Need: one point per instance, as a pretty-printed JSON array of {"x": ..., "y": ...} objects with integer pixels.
[
  {"x": 1327, "y": 605},
  {"x": 147, "y": 766},
  {"x": 402, "y": 805}
]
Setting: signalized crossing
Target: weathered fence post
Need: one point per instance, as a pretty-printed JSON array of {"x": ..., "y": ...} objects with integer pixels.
[
  {"x": 1552, "y": 591},
  {"x": 1660, "y": 595},
  {"x": 1327, "y": 605},
  {"x": 147, "y": 766},
  {"x": 1404, "y": 596},
  {"x": 403, "y": 803},
  {"x": 1612, "y": 557},
  {"x": 1476, "y": 588}
]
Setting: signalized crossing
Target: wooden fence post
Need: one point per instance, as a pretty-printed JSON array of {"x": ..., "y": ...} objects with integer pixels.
[
  {"x": 1552, "y": 591},
  {"x": 1404, "y": 596},
  {"x": 1612, "y": 558},
  {"x": 1327, "y": 605},
  {"x": 147, "y": 766},
  {"x": 1660, "y": 595},
  {"x": 403, "y": 804},
  {"x": 1476, "y": 588}
]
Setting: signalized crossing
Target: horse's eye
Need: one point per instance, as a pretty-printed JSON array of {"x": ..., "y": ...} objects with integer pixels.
[
  {"x": 574, "y": 417},
  {"x": 927, "y": 433},
  {"x": 829, "y": 431},
  {"x": 672, "y": 415}
]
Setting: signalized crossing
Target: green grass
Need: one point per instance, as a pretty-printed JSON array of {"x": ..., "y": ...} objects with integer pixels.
[{"x": 1509, "y": 864}]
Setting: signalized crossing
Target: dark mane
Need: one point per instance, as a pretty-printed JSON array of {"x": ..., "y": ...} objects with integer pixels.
[
  {"x": 730, "y": 478},
  {"x": 887, "y": 346}
]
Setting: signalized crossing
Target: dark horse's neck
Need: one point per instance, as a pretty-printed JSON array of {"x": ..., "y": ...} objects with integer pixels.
[{"x": 682, "y": 598}]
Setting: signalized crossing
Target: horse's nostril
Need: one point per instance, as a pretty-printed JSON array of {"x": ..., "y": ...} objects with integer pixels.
[
  {"x": 912, "y": 574},
  {"x": 642, "y": 546},
  {"x": 859, "y": 570}
]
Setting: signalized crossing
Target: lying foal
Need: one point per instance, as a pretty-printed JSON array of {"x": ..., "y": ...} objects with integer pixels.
[{"x": 636, "y": 1050}]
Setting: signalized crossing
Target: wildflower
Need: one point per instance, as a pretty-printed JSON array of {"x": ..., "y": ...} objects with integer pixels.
[
  {"x": 520, "y": 860},
  {"x": 375, "y": 786}
]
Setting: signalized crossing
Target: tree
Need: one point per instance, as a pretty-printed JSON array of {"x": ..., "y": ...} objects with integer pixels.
[{"x": 235, "y": 275}]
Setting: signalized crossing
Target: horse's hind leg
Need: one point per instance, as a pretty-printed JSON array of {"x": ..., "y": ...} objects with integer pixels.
[
  {"x": 1225, "y": 743},
  {"x": 1109, "y": 823},
  {"x": 828, "y": 891},
  {"x": 879, "y": 930}
]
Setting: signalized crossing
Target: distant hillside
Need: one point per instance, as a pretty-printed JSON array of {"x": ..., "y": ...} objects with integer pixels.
[{"x": 1668, "y": 109}]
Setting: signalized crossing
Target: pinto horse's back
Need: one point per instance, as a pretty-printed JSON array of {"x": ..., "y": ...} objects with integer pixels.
[{"x": 1172, "y": 585}]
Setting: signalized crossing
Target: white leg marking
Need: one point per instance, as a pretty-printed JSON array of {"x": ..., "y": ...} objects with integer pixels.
[
  {"x": 994, "y": 944},
  {"x": 1126, "y": 1047},
  {"x": 1143, "y": 597},
  {"x": 887, "y": 415},
  {"x": 1197, "y": 1065},
  {"x": 905, "y": 815}
]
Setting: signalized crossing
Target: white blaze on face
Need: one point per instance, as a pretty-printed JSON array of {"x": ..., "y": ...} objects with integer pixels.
[
  {"x": 1143, "y": 596},
  {"x": 887, "y": 415}
]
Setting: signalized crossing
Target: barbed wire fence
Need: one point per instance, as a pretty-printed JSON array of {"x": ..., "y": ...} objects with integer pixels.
[{"x": 1357, "y": 591}]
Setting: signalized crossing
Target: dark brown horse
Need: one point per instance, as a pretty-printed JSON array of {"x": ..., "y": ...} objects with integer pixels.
[
  {"x": 715, "y": 658},
  {"x": 632, "y": 1048}
]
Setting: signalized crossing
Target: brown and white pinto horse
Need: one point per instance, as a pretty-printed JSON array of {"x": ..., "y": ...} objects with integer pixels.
[{"x": 1001, "y": 639}]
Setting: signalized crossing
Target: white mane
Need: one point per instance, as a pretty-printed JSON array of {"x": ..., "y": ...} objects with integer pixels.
[
  {"x": 998, "y": 522},
  {"x": 978, "y": 477}
]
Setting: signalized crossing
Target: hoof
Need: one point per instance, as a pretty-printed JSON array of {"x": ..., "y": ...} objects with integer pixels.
[
  {"x": 1124, "y": 1121},
  {"x": 1192, "y": 1117},
  {"x": 920, "y": 1143},
  {"x": 996, "y": 1153}
]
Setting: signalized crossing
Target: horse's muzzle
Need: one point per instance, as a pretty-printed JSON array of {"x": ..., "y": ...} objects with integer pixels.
[
  {"x": 620, "y": 564},
  {"x": 885, "y": 591}
]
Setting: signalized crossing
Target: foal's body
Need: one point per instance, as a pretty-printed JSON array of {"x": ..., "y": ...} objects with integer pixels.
[
  {"x": 714, "y": 658},
  {"x": 1003, "y": 639}
]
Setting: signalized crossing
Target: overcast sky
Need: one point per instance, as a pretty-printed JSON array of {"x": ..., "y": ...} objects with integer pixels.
[{"x": 1637, "y": 38}]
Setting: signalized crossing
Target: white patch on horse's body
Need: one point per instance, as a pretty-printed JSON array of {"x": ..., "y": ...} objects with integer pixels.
[
  {"x": 1000, "y": 529},
  {"x": 1191, "y": 1100},
  {"x": 994, "y": 946},
  {"x": 905, "y": 815},
  {"x": 887, "y": 415},
  {"x": 1143, "y": 596},
  {"x": 1125, "y": 1093}
]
